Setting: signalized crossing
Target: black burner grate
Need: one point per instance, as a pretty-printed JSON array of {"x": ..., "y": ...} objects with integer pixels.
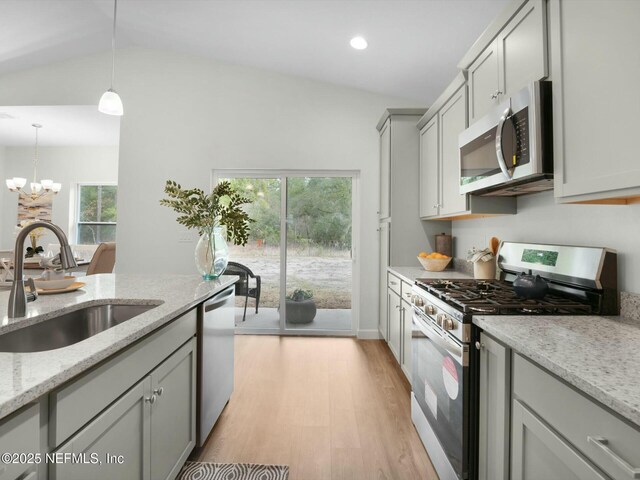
[{"x": 494, "y": 297}]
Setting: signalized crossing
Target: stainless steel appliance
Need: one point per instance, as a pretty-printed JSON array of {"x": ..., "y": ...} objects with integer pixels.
[
  {"x": 216, "y": 325},
  {"x": 444, "y": 401},
  {"x": 509, "y": 151}
]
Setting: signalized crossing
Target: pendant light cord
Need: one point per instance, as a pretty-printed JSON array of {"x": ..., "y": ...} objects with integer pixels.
[
  {"x": 113, "y": 43},
  {"x": 35, "y": 158}
]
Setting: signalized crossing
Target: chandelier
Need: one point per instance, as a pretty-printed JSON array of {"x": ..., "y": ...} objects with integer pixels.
[{"x": 38, "y": 189}]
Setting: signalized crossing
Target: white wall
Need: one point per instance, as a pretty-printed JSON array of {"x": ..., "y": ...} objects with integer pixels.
[
  {"x": 540, "y": 219},
  {"x": 2, "y": 186},
  {"x": 185, "y": 116},
  {"x": 67, "y": 165}
]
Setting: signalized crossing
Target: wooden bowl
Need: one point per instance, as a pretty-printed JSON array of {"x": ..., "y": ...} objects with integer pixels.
[{"x": 434, "y": 264}]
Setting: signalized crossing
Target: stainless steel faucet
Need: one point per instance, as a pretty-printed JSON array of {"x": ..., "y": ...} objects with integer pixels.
[{"x": 18, "y": 298}]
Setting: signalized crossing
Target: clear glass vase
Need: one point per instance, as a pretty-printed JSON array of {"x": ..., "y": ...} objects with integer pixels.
[{"x": 212, "y": 254}]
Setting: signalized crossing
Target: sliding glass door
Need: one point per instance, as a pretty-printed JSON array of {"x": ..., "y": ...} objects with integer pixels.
[{"x": 301, "y": 248}]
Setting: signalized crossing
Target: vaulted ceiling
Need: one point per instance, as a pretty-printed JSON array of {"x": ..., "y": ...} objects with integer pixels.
[{"x": 414, "y": 45}]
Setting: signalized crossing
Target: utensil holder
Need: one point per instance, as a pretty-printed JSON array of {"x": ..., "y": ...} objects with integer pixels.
[{"x": 484, "y": 270}]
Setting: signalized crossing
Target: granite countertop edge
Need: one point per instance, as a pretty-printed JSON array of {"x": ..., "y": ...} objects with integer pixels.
[
  {"x": 618, "y": 403},
  {"x": 410, "y": 273},
  {"x": 107, "y": 347}
]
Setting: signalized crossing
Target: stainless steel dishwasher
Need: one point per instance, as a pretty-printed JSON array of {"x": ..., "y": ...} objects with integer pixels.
[{"x": 216, "y": 325}]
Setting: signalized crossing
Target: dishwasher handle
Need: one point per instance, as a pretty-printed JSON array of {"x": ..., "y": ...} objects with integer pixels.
[{"x": 219, "y": 299}]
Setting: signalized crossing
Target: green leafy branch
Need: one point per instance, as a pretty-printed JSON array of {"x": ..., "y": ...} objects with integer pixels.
[{"x": 222, "y": 207}]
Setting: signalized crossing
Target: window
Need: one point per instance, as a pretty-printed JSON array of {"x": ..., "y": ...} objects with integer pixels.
[{"x": 97, "y": 213}]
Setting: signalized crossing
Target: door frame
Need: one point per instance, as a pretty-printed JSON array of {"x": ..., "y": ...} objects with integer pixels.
[{"x": 216, "y": 174}]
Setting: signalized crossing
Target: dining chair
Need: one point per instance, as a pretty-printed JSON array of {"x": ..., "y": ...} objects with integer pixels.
[{"x": 103, "y": 260}]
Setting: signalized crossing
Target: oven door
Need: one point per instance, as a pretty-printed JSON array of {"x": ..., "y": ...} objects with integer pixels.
[{"x": 441, "y": 388}]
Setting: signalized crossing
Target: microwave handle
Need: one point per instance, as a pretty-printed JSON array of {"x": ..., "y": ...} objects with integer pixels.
[{"x": 501, "y": 162}]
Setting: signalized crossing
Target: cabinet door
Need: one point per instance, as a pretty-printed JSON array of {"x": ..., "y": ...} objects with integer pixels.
[
  {"x": 453, "y": 120},
  {"x": 394, "y": 323},
  {"x": 406, "y": 324},
  {"x": 595, "y": 62},
  {"x": 383, "y": 323},
  {"x": 173, "y": 413},
  {"x": 484, "y": 83},
  {"x": 429, "y": 170},
  {"x": 122, "y": 429},
  {"x": 522, "y": 48},
  {"x": 495, "y": 391},
  {"x": 385, "y": 170},
  {"x": 538, "y": 452}
]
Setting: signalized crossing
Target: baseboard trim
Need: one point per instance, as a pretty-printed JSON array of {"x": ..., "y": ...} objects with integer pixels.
[{"x": 372, "y": 334}]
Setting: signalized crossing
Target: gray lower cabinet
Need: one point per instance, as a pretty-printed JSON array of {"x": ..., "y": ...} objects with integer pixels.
[
  {"x": 495, "y": 398},
  {"x": 394, "y": 323},
  {"x": 20, "y": 433},
  {"x": 173, "y": 418},
  {"x": 406, "y": 324},
  {"x": 540, "y": 453},
  {"x": 123, "y": 429},
  {"x": 383, "y": 317},
  {"x": 152, "y": 428}
]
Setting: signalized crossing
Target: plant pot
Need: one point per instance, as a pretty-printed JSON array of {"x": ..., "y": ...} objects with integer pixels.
[
  {"x": 212, "y": 254},
  {"x": 484, "y": 270},
  {"x": 300, "y": 312}
]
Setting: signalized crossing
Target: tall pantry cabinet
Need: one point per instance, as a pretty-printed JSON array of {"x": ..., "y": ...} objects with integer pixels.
[{"x": 402, "y": 235}]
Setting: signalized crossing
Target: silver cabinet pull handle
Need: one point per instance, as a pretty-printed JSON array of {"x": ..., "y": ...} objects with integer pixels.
[
  {"x": 159, "y": 391},
  {"x": 601, "y": 443},
  {"x": 151, "y": 399},
  {"x": 479, "y": 346}
]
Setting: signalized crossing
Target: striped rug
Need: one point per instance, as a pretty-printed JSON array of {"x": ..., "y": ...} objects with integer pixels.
[{"x": 232, "y": 471}]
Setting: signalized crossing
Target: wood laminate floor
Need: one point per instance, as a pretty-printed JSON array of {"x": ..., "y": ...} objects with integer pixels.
[{"x": 330, "y": 408}]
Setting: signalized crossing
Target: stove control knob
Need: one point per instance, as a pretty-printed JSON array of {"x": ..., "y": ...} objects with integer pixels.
[
  {"x": 417, "y": 301},
  {"x": 440, "y": 319},
  {"x": 449, "y": 323},
  {"x": 430, "y": 310}
]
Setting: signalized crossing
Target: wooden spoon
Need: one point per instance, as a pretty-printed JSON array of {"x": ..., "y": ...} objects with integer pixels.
[{"x": 494, "y": 244}]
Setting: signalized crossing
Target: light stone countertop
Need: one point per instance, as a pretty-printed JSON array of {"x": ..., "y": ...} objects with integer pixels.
[
  {"x": 598, "y": 355},
  {"x": 410, "y": 274},
  {"x": 24, "y": 377}
]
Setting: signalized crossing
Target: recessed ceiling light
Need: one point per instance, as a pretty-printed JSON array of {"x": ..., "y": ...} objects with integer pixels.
[{"x": 358, "y": 43}]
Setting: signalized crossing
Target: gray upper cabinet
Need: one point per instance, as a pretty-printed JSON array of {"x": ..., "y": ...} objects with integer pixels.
[
  {"x": 511, "y": 53},
  {"x": 522, "y": 48},
  {"x": 429, "y": 169},
  {"x": 494, "y": 411},
  {"x": 596, "y": 72},
  {"x": 453, "y": 120},
  {"x": 440, "y": 128},
  {"x": 484, "y": 81},
  {"x": 385, "y": 170}
]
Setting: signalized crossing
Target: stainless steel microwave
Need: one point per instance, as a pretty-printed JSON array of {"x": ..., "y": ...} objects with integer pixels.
[{"x": 509, "y": 151}]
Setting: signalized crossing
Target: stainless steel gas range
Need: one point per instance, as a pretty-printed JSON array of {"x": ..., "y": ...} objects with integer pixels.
[{"x": 444, "y": 401}]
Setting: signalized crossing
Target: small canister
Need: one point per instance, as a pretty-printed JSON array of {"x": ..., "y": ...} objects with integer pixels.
[{"x": 444, "y": 245}]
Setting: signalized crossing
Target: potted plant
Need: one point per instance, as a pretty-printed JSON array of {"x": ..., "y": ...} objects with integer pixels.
[
  {"x": 35, "y": 235},
  {"x": 208, "y": 214},
  {"x": 300, "y": 307}
]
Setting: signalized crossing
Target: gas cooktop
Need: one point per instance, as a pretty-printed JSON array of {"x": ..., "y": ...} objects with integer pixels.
[{"x": 495, "y": 297}]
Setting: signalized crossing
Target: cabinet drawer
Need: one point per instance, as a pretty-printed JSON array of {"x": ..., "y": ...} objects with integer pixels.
[
  {"x": 393, "y": 283},
  {"x": 607, "y": 441},
  {"x": 74, "y": 404},
  {"x": 19, "y": 433},
  {"x": 406, "y": 291}
]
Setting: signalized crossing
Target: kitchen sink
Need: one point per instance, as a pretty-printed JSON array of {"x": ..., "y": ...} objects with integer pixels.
[{"x": 69, "y": 328}]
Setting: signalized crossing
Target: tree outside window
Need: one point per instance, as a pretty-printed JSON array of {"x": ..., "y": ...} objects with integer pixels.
[{"x": 97, "y": 214}]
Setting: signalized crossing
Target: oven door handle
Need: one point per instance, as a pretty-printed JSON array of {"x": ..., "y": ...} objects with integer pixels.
[
  {"x": 455, "y": 350},
  {"x": 508, "y": 172}
]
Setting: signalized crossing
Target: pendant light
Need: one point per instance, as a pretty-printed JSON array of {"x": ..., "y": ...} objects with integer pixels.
[
  {"x": 110, "y": 102},
  {"x": 37, "y": 189}
]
